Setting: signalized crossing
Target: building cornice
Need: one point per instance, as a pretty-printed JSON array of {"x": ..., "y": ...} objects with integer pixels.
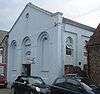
[{"x": 73, "y": 23}]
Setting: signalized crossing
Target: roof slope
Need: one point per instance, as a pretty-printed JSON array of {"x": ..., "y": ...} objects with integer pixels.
[
  {"x": 95, "y": 38},
  {"x": 74, "y": 23},
  {"x": 40, "y": 9}
]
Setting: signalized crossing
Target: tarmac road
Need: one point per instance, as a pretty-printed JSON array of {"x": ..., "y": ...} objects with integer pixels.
[{"x": 4, "y": 91}]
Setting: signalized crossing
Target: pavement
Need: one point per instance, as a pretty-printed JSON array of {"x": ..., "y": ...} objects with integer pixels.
[{"x": 5, "y": 91}]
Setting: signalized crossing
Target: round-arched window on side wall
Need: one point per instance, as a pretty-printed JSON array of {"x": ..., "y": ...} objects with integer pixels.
[{"x": 69, "y": 46}]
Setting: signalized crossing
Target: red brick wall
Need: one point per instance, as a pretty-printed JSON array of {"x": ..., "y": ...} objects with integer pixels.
[
  {"x": 94, "y": 63},
  {"x": 70, "y": 69}
]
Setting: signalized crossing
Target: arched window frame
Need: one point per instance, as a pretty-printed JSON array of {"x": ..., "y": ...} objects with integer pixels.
[
  {"x": 44, "y": 36},
  {"x": 26, "y": 49},
  {"x": 1, "y": 55},
  {"x": 13, "y": 53},
  {"x": 84, "y": 49},
  {"x": 69, "y": 46}
]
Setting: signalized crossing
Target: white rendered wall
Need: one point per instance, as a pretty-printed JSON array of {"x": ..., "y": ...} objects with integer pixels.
[
  {"x": 32, "y": 27},
  {"x": 79, "y": 36}
]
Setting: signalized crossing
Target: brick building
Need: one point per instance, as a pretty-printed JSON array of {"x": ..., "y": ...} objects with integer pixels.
[
  {"x": 3, "y": 46},
  {"x": 93, "y": 49}
]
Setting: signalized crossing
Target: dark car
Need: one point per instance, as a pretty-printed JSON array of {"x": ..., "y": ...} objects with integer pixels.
[
  {"x": 29, "y": 85},
  {"x": 3, "y": 75},
  {"x": 71, "y": 85}
]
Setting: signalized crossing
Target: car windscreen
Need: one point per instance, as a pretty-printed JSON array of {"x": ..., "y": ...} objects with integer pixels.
[
  {"x": 59, "y": 80},
  {"x": 33, "y": 80},
  {"x": 66, "y": 80}
]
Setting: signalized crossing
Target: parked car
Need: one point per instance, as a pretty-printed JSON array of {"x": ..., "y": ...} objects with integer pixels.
[
  {"x": 3, "y": 75},
  {"x": 71, "y": 85},
  {"x": 29, "y": 85}
]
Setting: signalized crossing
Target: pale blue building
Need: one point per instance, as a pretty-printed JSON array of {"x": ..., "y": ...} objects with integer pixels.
[{"x": 41, "y": 43}]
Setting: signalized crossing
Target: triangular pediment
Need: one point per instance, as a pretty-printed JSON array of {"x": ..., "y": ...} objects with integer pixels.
[{"x": 30, "y": 5}]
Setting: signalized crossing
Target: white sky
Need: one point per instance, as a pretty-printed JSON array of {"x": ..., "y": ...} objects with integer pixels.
[{"x": 84, "y": 11}]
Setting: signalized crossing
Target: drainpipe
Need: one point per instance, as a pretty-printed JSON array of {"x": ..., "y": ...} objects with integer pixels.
[{"x": 88, "y": 61}]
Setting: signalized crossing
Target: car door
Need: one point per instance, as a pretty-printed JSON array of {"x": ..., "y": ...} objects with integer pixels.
[
  {"x": 61, "y": 90},
  {"x": 56, "y": 90},
  {"x": 23, "y": 87},
  {"x": 72, "y": 88},
  {"x": 20, "y": 86},
  {"x": 67, "y": 88}
]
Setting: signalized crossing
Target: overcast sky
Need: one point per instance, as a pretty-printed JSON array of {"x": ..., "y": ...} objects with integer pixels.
[{"x": 84, "y": 11}]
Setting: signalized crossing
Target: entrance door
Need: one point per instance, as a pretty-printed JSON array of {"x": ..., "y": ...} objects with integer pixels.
[{"x": 26, "y": 69}]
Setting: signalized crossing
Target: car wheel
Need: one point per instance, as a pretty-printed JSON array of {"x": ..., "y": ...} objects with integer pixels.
[{"x": 13, "y": 91}]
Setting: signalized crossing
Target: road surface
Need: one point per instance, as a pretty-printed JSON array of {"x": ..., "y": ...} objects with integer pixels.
[{"x": 4, "y": 91}]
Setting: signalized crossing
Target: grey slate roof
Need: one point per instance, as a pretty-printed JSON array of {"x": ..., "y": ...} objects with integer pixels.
[{"x": 74, "y": 23}]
